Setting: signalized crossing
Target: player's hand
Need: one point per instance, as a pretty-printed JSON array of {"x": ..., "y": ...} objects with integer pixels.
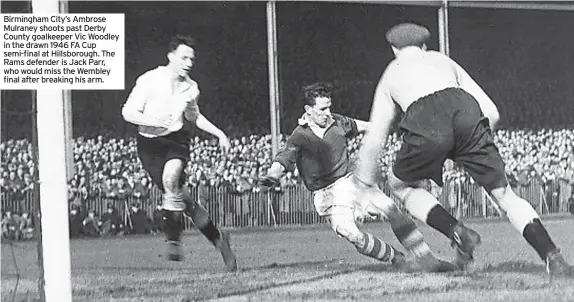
[
  {"x": 224, "y": 143},
  {"x": 269, "y": 181}
]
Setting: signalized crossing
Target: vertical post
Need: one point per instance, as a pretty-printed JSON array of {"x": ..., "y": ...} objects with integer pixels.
[
  {"x": 51, "y": 138},
  {"x": 2, "y": 121},
  {"x": 273, "y": 76},
  {"x": 484, "y": 198},
  {"x": 63, "y": 9},
  {"x": 444, "y": 46}
]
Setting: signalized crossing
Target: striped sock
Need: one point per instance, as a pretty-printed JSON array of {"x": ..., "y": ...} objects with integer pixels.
[
  {"x": 412, "y": 239},
  {"x": 376, "y": 248}
]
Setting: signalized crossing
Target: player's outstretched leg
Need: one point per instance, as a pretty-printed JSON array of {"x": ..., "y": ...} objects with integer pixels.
[
  {"x": 342, "y": 221},
  {"x": 408, "y": 234},
  {"x": 525, "y": 219},
  {"x": 220, "y": 239},
  {"x": 426, "y": 208}
]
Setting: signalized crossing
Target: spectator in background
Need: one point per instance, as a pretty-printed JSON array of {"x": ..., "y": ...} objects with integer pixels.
[
  {"x": 91, "y": 225},
  {"x": 111, "y": 222},
  {"x": 28, "y": 184},
  {"x": 140, "y": 223},
  {"x": 142, "y": 190},
  {"x": 242, "y": 201},
  {"x": 14, "y": 186},
  {"x": 158, "y": 221},
  {"x": 11, "y": 226},
  {"x": 76, "y": 222},
  {"x": 571, "y": 204},
  {"x": 26, "y": 226}
]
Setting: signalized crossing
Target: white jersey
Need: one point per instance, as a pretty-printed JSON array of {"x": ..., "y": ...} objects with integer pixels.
[
  {"x": 158, "y": 94},
  {"x": 416, "y": 73}
]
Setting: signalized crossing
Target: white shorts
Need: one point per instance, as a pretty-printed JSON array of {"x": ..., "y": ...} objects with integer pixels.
[{"x": 343, "y": 203}]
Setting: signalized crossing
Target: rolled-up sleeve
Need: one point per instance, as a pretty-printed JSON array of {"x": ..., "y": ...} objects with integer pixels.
[{"x": 288, "y": 155}]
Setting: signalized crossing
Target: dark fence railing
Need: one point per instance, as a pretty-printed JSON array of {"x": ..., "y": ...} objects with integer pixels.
[{"x": 294, "y": 205}]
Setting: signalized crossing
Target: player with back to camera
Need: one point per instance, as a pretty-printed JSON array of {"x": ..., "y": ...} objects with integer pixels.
[
  {"x": 447, "y": 115},
  {"x": 159, "y": 103},
  {"x": 318, "y": 148}
]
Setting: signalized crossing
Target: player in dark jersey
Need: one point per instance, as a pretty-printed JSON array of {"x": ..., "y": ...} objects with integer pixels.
[
  {"x": 447, "y": 115},
  {"x": 318, "y": 148}
]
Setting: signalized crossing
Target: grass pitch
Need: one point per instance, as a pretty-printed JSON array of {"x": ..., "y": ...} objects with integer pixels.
[{"x": 297, "y": 264}]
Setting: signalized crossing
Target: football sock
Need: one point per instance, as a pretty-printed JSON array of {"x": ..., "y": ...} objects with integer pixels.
[
  {"x": 173, "y": 225},
  {"x": 201, "y": 219},
  {"x": 524, "y": 218},
  {"x": 425, "y": 207},
  {"x": 441, "y": 220},
  {"x": 537, "y": 236},
  {"x": 411, "y": 238},
  {"x": 376, "y": 248}
]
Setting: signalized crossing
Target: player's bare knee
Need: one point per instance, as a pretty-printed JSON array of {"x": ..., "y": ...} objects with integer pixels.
[{"x": 172, "y": 175}]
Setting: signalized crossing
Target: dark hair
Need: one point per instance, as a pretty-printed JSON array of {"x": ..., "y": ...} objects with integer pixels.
[
  {"x": 179, "y": 40},
  {"x": 315, "y": 90}
]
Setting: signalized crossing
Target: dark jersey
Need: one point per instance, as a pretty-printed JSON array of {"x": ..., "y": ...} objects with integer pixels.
[{"x": 321, "y": 161}]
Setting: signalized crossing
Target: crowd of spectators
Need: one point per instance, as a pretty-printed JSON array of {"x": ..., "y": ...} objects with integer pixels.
[{"x": 109, "y": 166}]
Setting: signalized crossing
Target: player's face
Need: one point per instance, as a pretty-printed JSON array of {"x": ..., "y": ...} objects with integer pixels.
[
  {"x": 181, "y": 59},
  {"x": 320, "y": 113}
]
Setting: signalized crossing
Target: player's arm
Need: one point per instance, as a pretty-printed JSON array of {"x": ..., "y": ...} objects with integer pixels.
[
  {"x": 133, "y": 109},
  {"x": 284, "y": 161},
  {"x": 382, "y": 115},
  {"x": 192, "y": 114},
  {"x": 486, "y": 104},
  {"x": 204, "y": 124}
]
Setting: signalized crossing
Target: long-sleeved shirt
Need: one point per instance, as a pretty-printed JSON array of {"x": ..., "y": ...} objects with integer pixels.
[
  {"x": 157, "y": 94},
  {"x": 416, "y": 73},
  {"x": 320, "y": 161}
]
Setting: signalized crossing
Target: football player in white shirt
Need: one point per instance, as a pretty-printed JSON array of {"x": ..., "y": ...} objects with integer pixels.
[
  {"x": 158, "y": 104},
  {"x": 446, "y": 115}
]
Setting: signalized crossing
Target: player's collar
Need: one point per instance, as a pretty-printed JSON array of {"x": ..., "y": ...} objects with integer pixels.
[
  {"x": 409, "y": 50},
  {"x": 305, "y": 122}
]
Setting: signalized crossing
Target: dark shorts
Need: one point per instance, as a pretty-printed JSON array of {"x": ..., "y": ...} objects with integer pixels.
[
  {"x": 448, "y": 124},
  {"x": 154, "y": 153}
]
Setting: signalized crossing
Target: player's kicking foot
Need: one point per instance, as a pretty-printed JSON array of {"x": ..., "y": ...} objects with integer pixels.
[
  {"x": 556, "y": 266},
  {"x": 174, "y": 251},
  {"x": 465, "y": 241},
  {"x": 222, "y": 244},
  {"x": 401, "y": 263},
  {"x": 432, "y": 264}
]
